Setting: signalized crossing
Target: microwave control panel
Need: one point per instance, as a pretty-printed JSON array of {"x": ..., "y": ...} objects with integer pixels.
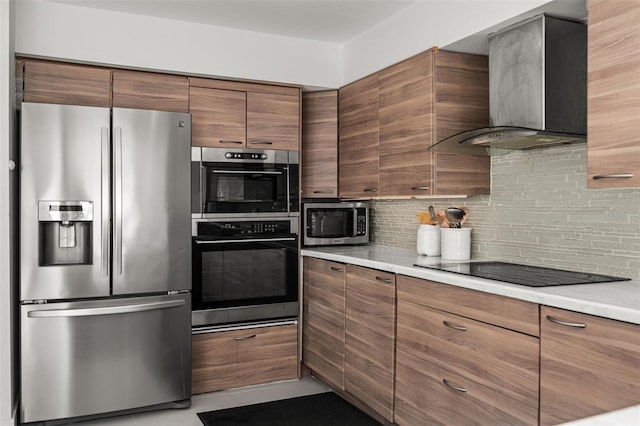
[{"x": 361, "y": 226}]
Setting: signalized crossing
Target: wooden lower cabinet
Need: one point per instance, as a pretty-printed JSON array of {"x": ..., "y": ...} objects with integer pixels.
[
  {"x": 370, "y": 338},
  {"x": 323, "y": 313},
  {"x": 250, "y": 356},
  {"x": 457, "y": 363},
  {"x": 588, "y": 365}
]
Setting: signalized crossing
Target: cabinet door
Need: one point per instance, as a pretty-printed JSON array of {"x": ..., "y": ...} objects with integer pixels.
[
  {"x": 358, "y": 139},
  {"x": 406, "y": 127},
  {"x": 218, "y": 117},
  {"x": 229, "y": 359},
  {"x": 461, "y": 103},
  {"x": 613, "y": 91},
  {"x": 588, "y": 365},
  {"x": 273, "y": 121},
  {"x": 370, "y": 338},
  {"x": 320, "y": 144},
  {"x": 57, "y": 83},
  {"x": 323, "y": 314},
  {"x": 142, "y": 90}
]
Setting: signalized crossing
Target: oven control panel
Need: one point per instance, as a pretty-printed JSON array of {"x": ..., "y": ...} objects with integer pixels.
[{"x": 244, "y": 228}]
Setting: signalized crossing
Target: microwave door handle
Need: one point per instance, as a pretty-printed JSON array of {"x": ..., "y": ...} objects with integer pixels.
[
  {"x": 355, "y": 223},
  {"x": 242, "y": 172}
]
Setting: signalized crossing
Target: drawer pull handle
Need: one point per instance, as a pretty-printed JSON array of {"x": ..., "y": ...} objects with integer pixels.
[
  {"x": 565, "y": 323},
  {"x": 419, "y": 188},
  {"x": 455, "y": 388},
  {"x": 260, "y": 143},
  {"x": 333, "y": 268},
  {"x": 234, "y": 142},
  {"x": 614, "y": 176},
  {"x": 455, "y": 327},
  {"x": 244, "y": 337},
  {"x": 384, "y": 280},
  {"x": 323, "y": 192},
  {"x": 371, "y": 190}
]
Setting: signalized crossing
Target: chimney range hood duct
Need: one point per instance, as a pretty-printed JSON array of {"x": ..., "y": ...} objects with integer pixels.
[{"x": 537, "y": 89}]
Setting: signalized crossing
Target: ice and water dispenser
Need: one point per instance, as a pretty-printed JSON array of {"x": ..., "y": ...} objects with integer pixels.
[{"x": 64, "y": 229}]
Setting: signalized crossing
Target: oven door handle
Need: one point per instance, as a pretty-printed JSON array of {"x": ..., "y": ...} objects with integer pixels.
[
  {"x": 243, "y": 172},
  {"x": 257, "y": 240}
]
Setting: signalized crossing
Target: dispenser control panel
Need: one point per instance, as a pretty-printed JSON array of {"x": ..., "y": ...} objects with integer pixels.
[{"x": 65, "y": 211}]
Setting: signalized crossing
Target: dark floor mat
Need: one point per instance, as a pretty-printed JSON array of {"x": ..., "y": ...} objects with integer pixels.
[{"x": 323, "y": 409}]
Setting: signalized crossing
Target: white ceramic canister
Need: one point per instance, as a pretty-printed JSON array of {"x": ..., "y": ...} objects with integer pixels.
[
  {"x": 456, "y": 243},
  {"x": 428, "y": 241}
]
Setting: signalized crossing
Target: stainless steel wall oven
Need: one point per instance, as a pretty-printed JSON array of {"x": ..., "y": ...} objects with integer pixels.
[
  {"x": 244, "y": 270},
  {"x": 246, "y": 182}
]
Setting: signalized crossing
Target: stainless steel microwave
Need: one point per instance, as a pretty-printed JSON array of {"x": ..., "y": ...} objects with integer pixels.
[{"x": 339, "y": 223}]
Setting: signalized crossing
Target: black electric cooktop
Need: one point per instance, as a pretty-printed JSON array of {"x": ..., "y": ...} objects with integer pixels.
[{"x": 532, "y": 276}]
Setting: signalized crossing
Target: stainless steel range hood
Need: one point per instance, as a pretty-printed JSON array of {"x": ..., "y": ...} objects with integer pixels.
[{"x": 537, "y": 89}]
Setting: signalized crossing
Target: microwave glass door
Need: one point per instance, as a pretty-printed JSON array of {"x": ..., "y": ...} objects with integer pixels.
[
  {"x": 330, "y": 222},
  {"x": 240, "y": 273},
  {"x": 246, "y": 188}
]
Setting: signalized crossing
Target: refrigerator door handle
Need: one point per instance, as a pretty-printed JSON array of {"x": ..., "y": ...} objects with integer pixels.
[
  {"x": 109, "y": 310},
  {"x": 117, "y": 244},
  {"x": 105, "y": 200}
]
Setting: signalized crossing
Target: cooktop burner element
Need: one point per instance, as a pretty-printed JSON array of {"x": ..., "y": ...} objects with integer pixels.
[{"x": 532, "y": 276}]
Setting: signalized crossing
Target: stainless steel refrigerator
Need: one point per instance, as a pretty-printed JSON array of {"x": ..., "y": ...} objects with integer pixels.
[{"x": 105, "y": 253}]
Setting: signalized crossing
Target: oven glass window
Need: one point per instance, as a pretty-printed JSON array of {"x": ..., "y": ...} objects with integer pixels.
[
  {"x": 250, "y": 189},
  {"x": 233, "y": 275},
  {"x": 330, "y": 223}
]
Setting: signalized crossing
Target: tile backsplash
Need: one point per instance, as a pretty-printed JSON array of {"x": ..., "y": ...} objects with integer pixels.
[{"x": 540, "y": 212}]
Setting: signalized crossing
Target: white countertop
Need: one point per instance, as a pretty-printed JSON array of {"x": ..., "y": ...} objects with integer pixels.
[{"x": 616, "y": 300}]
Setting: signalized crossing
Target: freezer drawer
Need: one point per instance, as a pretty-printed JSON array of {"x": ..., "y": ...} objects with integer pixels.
[{"x": 90, "y": 357}]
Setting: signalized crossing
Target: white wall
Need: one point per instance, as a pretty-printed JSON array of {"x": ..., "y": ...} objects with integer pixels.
[
  {"x": 97, "y": 36},
  {"x": 7, "y": 121},
  {"x": 423, "y": 25}
]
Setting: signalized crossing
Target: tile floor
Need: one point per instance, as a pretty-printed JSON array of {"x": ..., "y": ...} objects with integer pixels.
[{"x": 215, "y": 401}]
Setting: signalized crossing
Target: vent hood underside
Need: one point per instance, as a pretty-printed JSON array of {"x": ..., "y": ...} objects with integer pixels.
[{"x": 502, "y": 140}]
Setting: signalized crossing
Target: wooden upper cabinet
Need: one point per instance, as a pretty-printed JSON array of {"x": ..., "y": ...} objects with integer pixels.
[
  {"x": 58, "y": 83},
  {"x": 244, "y": 115},
  {"x": 588, "y": 365},
  {"x": 358, "y": 138},
  {"x": 273, "y": 121},
  {"x": 143, "y": 90},
  {"x": 320, "y": 144},
  {"x": 461, "y": 103},
  {"x": 218, "y": 117},
  {"x": 613, "y": 92},
  {"x": 406, "y": 127}
]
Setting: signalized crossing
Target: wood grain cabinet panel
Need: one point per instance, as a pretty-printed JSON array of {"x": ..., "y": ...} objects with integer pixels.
[
  {"x": 144, "y": 90},
  {"x": 218, "y": 117},
  {"x": 588, "y": 365},
  {"x": 370, "y": 338},
  {"x": 320, "y": 144},
  {"x": 461, "y": 102},
  {"x": 506, "y": 312},
  {"x": 244, "y": 357},
  {"x": 323, "y": 326},
  {"x": 358, "y": 138},
  {"x": 613, "y": 93},
  {"x": 273, "y": 121},
  {"x": 406, "y": 127},
  {"x": 59, "y": 83},
  {"x": 423, "y": 398}
]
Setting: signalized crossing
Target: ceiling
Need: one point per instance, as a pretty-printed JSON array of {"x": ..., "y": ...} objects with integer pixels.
[{"x": 328, "y": 21}]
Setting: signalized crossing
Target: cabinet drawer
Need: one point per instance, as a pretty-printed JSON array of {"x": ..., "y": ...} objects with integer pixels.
[
  {"x": 423, "y": 398},
  {"x": 502, "y": 360},
  {"x": 244, "y": 357},
  {"x": 498, "y": 310}
]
